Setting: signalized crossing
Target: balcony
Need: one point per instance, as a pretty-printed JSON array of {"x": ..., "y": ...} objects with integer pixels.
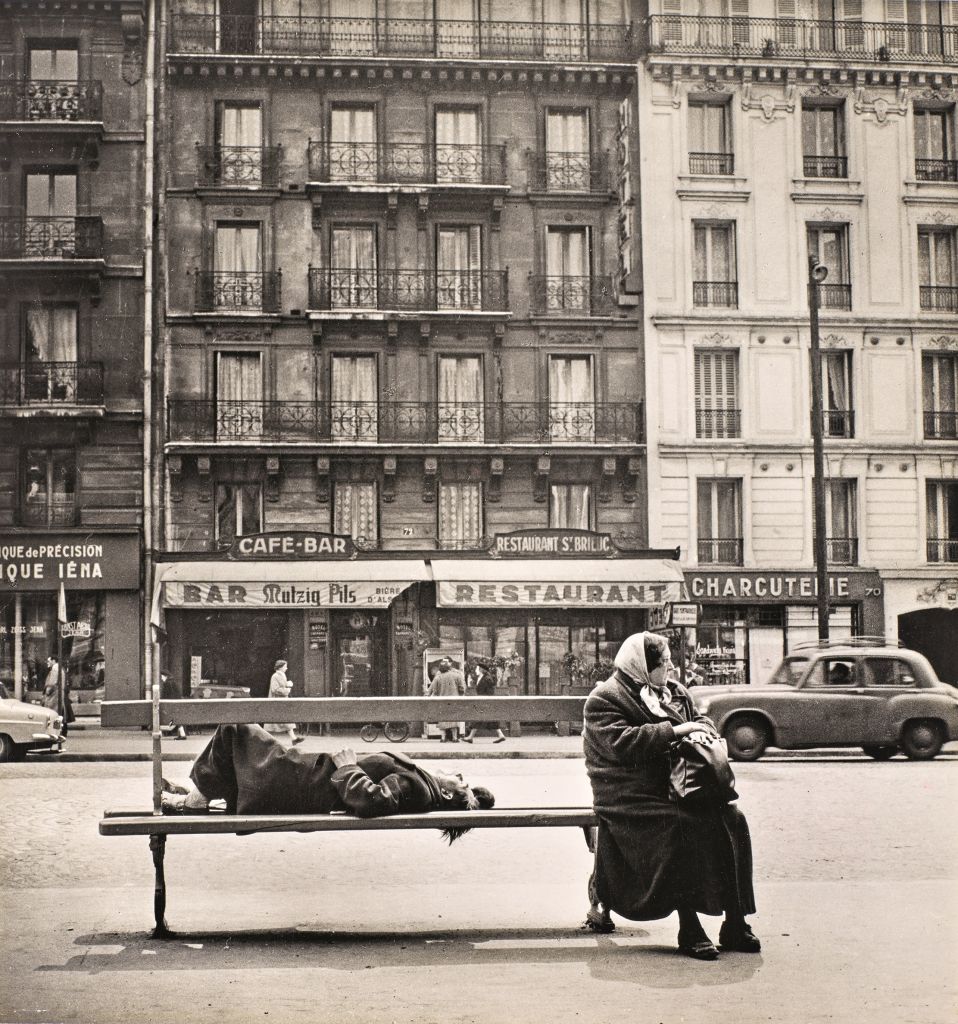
[
  {"x": 942, "y": 549},
  {"x": 940, "y": 299},
  {"x": 426, "y": 423},
  {"x": 803, "y": 39},
  {"x": 720, "y": 550},
  {"x": 565, "y": 295},
  {"x": 716, "y": 424},
  {"x": 43, "y": 511},
  {"x": 238, "y": 291},
  {"x": 238, "y": 166},
  {"x": 838, "y": 423},
  {"x": 716, "y": 294},
  {"x": 825, "y": 166},
  {"x": 51, "y": 100},
  {"x": 414, "y": 163},
  {"x": 941, "y": 426},
  {"x": 51, "y": 384},
  {"x": 46, "y": 238},
  {"x": 842, "y": 550},
  {"x": 835, "y": 296},
  {"x": 936, "y": 170},
  {"x": 298, "y": 36},
  {"x": 571, "y": 172},
  {"x": 456, "y": 291},
  {"x": 711, "y": 163}
]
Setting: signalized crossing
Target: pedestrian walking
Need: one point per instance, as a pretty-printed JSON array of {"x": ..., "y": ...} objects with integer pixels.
[
  {"x": 448, "y": 682},
  {"x": 485, "y": 687},
  {"x": 281, "y": 686},
  {"x": 653, "y": 854},
  {"x": 56, "y": 693}
]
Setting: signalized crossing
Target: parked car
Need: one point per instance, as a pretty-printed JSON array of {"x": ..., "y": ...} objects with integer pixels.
[
  {"x": 26, "y": 727},
  {"x": 850, "y": 693}
]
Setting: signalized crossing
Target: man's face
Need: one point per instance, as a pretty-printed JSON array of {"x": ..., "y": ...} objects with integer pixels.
[{"x": 445, "y": 664}]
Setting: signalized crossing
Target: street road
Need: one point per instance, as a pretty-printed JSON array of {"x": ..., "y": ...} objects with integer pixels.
[{"x": 856, "y": 865}]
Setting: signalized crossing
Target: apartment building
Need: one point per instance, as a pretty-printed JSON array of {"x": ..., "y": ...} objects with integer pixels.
[
  {"x": 775, "y": 130},
  {"x": 71, "y": 329},
  {"x": 404, "y": 370}
]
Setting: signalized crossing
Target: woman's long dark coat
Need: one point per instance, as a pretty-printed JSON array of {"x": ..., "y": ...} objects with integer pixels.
[{"x": 653, "y": 854}]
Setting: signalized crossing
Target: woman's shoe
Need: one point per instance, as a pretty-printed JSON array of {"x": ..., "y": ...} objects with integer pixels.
[
  {"x": 739, "y": 939},
  {"x": 467, "y": 739},
  {"x": 499, "y": 739},
  {"x": 698, "y": 948},
  {"x": 598, "y": 920}
]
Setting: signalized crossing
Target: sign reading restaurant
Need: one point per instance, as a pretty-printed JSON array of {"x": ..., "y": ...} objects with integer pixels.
[
  {"x": 548, "y": 543},
  {"x": 557, "y": 595}
]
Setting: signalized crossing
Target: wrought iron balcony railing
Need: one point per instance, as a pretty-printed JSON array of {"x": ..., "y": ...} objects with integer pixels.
[
  {"x": 716, "y": 424},
  {"x": 42, "y": 511},
  {"x": 459, "y": 423},
  {"x": 294, "y": 35},
  {"x": 720, "y": 550},
  {"x": 60, "y": 238},
  {"x": 567, "y": 295},
  {"x": 711, "y": 163},
  {"x": 842, "y": 550},
  {"x": 571, "y": 172},
  {"x": 240, "y": 166},
  {"x": 835, "y": 296},
  {"x": 36, "y": 383},
  {"x": 936, "y": 170},
  {"x": 838, "y": 422},
  {"x": 414, "y": 290},
  {"x": 412, "y": 162},
  {"x": 942, "y": 298},
  {"x": 51, "y": 100},
  {"x": 868, "y": 41},
  {"x": 941, "y": 425},
  {"x": 238, "y": 291},
  {"x": 720, "y": 294},
  {"x": 825, "y": 166},
  {"x": 942, "y": 549}
]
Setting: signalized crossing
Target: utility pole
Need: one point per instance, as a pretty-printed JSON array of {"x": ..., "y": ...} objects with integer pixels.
[{"x": 816, "y": 275}]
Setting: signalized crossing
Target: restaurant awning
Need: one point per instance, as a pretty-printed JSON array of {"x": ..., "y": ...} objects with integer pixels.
[{"x": 567, "y": 583}]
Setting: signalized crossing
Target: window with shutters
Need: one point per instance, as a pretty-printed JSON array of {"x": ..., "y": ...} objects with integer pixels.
[
  {"x": 239, "y": 511},
  {"x": 935, "y": 143},
  {"x": 841, "y": 518},
  {"x": 818, "y": 26},
  {"x": 459, "y": 267},
  {"x": 837, "y": 409},
  {"x": 460, "y": 515},
  {"x": 719, "y": 521},
  {"x": 710, "y": 137},
  {"x": 356, "y": 512},
  {"x": 823, "y": 140},
  {"x": 717, "y": 412},
  {"x": 714, "y": 278},
  {"x": 671, "y": 29},
  {"x": 939, "y": 385},
  {"x": 828, "y": 243},
  {"x": 941, "y": 500},
  {"x": 937, "y": 284}
]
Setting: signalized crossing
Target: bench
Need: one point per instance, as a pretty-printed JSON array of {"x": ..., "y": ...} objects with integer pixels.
[{"x": 331, "y": 710}]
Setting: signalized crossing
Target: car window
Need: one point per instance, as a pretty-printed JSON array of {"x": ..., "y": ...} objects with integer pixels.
[
  {"x": 832, "y": 672},
  {"x": 790, "y": 671},
  {"x": 888, "y": 672}
]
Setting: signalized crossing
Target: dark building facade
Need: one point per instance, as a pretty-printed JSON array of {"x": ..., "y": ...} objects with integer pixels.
[{"x": 71, "y": 327}]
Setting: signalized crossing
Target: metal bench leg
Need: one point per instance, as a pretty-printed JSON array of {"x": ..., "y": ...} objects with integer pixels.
[{"x": 158, "y": 849}]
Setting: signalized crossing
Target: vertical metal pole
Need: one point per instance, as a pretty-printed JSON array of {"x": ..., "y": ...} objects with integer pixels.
[
  {"x": 682, "y": 655},
  {"x": 18, "y": 647},
  {"x": 816, "y": 274}
]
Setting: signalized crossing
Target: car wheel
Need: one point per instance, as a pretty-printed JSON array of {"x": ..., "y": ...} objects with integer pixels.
[
  {"x": 746, "y": 738},
  {"x": 882, "y": 752},
  {"x": 921, "y": 740},
  {"x": 8, "y": 749}
]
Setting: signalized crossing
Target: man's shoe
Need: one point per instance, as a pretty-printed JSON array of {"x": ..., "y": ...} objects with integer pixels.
[
  {"x": 698, "y": 948},
  {"x": 739, "y": 939},
  {"x": 598, "y": 920}
]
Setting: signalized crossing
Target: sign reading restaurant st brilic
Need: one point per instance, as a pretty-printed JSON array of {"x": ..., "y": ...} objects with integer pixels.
[
  {"x": 292, "y": 544},
  {"x": 554, "y": 542}
]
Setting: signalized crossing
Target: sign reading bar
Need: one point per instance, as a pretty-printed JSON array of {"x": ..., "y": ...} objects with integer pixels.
[
  {"x": 786, "y": 587},
  {"x": 366, "y": 594},
  {"x": 550, "y": 543},
  {"x": 557, "y": 595},
  {"x": 79, "y": 562},
  {"x": 293, "y": 544}
]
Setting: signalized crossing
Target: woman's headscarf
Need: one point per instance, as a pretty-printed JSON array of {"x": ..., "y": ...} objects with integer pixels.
[{"x": 631, "y": 658}]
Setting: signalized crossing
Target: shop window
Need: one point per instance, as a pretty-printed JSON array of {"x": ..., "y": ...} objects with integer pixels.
[
  {"x": 719, "y": 522},
  {"x": 458, "y": 152},
  {"x": 828, "y": 243},
  {"x": 460, "y": 516},
  {"x": 460, "y": 410},
  {"x": 459, "y": 267},
  {"x": 717, "y": 412},
  {"x": 939, "y": 384},
  {"x": 937, "y": 277},
  {"x": 356, "y": 513},
  {"x": 353, "y": 149},
  {"x": 571, "y": 399},
  {"x": 838, "y": 412},
  {"x": 823, "y": 140},
  {"x": 710, "y": 137},
  {"x": 354, "y": 408},
  {"x": 570, "y": 506},
  {"x": 714, "y": 273},
  {"x": 941, "y": 498},
  {"x": 239, "y": 511},
  {"x": 568, "y": 159},
  {"x": 48, "y": 497},
  {"x": 935, "y": 144}
]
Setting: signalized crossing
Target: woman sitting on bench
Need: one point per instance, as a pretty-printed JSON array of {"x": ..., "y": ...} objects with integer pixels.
[{"x": 253, "y": 773}]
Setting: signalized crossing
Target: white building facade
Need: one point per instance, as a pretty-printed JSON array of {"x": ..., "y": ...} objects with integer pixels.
[{"x": 769, "y": 133}]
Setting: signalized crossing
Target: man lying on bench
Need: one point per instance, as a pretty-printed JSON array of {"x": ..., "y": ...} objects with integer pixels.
[{"x": 253, "y": 773}]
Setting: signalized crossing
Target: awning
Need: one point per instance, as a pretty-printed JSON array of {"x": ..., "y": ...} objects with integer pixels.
[
  {"x": 569, "y": 583},
  {"x": 370, "y": 583}
]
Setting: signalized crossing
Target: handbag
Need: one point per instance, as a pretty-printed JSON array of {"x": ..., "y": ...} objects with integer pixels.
[{"x": 701, "y": 773}]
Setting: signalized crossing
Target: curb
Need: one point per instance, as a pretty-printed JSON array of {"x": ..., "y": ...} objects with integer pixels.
[{"x": 418, "y": 755}]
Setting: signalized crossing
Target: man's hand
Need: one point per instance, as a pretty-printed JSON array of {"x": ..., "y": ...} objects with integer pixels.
[{"x": 345, "y": 756}]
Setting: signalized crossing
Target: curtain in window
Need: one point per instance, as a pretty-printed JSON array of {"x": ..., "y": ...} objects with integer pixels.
[
  {"x": 240, "y": 160},
  {"x": 571, "y": 399},
  {"x": 713, "y": 256},
  {"x": 50, "y": 482},
  {"x": 836, "y": 385},
  {"x": 458, "y": 145},
  {"x": 238, "y": 510},
  {"x": 564, "y": 35},
  {"x": 355, "y": 511},
  {"x": 936, "y": 259},
  {"x": 460, "y": 515},
  {"x": 840, "y": 514},
  {"x": 822, "y": 131},
  {"x": 54, "y": 64},
  {"x": 352, "y": 27},
  {"x": 570, "y": 507},
  {"x": 459, "y": 267},
  {"x": 457, "y": 29},
  {"x": 719, "y": 520},
  {"x": 353, "y": 273},
  {"x": 460, "y": 408},
  {"x": 51, "y": 354},
  {"x": 237, "y": 263},
  {"x": 568, "y": 285},
  {"x": 829, "y": 245},
  {"x": 353, "y": 153},
  {"x": 51, "y": 206},
  {"x": 932, "y": 137},
  {"x": 567, "y": 151},
  {"x": 354, "y": 412},
  {"x": 707, "y": 128},
  {"x": 239, "y": 395},
  {"x": 939, "y": 383}
]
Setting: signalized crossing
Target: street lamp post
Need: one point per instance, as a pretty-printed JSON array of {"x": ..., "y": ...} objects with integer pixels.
[{"x": 816, "y": 275}]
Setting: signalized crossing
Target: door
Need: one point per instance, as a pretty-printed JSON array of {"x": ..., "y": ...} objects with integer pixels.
[
  {"x": 354, "y": 280},
  {"x": 51, "y": 354},
  {"x": 458, "y": 155},
  {"x": 459, "y": 267},
  {"x": 53, "y": 93},
  {"x": 239, "y": 396},
  {"x": 361, "y": 667},
  {"x": 571, "y": 399},
  {"x": 237, "y": 268},
  {"x": 353, "y": 153},
  {"x": 354, "y": 408},
  {"x": 766, "y": 645},
  {"x": 240, "y": 157},
  {"x": 460, "y": 407},
  {"x": 567, "y": 151},
  {"x": 51, "y": 206}
]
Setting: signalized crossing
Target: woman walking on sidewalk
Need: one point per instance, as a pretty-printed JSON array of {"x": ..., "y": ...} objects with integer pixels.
[{"x": 280, "y": 686}]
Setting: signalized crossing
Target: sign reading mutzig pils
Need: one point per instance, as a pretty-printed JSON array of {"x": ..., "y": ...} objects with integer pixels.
[{"x": 79, "y": 562}]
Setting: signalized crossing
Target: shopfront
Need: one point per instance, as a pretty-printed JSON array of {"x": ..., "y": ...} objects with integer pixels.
[
  {"x": 749, "y": 619},
  {"x": 921, "y": 610},
  {"x": 101, "y": 639}
]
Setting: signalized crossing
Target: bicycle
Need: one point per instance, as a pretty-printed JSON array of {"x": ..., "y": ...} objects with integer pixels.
[{"x": 395, "y": 732}]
